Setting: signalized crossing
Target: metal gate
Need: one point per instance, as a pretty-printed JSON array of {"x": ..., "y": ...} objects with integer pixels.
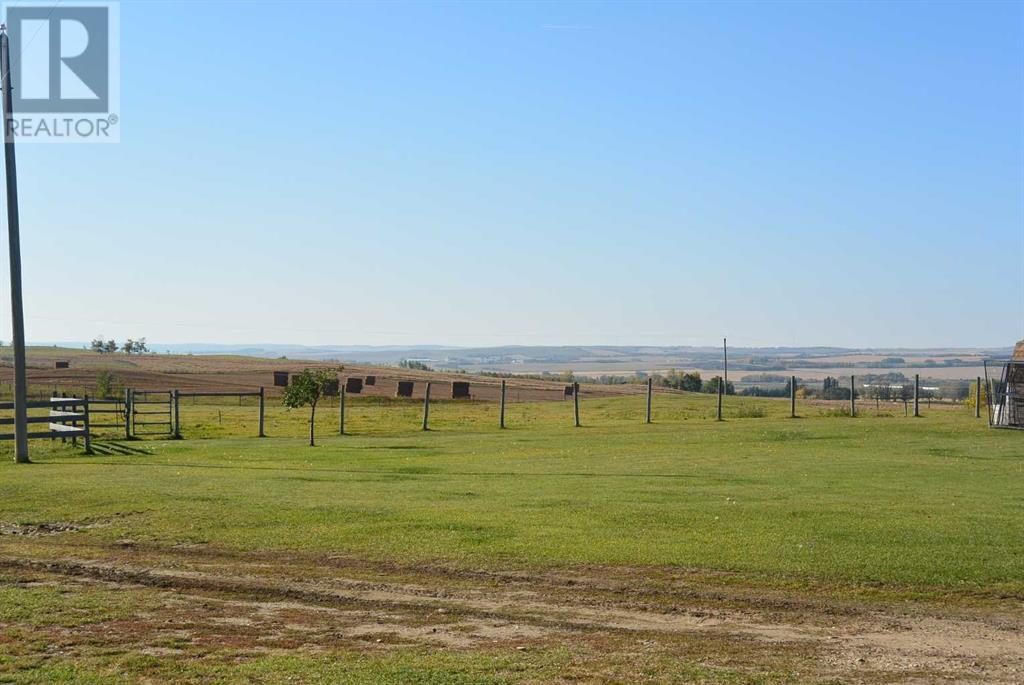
[
  {"x": 113, "y": 411},
  {"x": 152, "y": 410}
]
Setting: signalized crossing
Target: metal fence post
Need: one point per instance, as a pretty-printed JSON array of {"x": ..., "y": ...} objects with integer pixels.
[
  {"x": 650, "y": 391},
  {"x": 85, "y": 423},
  {"x": 576, "y": 402},
  {"x": 853, "y": 396},
  {"x": 341, "y": 410},
  {"x": 501, "y": 415},
  {"x": 426, "y": 406},
  {"x": 988, "y": 401},
  {"x": 127, "y": 413},
  {"x": 977, "y": 398},
  {"x": 177, "y": 420},
  {"x": 262, "y": 434}
]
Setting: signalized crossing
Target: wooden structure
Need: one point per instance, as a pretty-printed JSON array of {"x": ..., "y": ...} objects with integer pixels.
[
  {"x": 460, "y": 390},
  {"x": 404, "y": 389},
  {"x": 280, "y": 379},
  {"x": 354, "y": 385},
  {"x": 68, "y": 417}
]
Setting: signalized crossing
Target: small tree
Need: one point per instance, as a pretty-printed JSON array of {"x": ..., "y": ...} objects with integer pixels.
[
  {"x": 97, "y": 345},
  {"x": 972, "y": 395},
  {"x": 105, "y": 384},
  {"x": 306, "y": 389},
  {"x": 110, "y": 346},
  {"x": 711, "y": 385}
]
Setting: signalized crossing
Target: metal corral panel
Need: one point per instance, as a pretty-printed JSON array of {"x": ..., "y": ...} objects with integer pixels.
[{"x": 1006, "y": 404}]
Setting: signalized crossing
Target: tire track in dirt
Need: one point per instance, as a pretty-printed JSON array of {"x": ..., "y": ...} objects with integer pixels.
[{"x": 871, "y": 641}]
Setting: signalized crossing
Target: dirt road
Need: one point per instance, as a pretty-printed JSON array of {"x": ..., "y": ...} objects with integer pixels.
[{"x": 612, "y": 619}]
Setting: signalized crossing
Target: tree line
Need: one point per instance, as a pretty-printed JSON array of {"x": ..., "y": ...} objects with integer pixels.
[{"x": 130, "y": 346}]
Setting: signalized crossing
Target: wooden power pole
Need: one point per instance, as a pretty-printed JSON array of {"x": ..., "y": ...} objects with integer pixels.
[
  {"x": 14, "y": 245},
  {"x": 725, "y": 361}
]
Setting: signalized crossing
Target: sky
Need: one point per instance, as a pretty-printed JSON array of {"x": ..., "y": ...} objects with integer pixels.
[{"x": 476, "y": 174}]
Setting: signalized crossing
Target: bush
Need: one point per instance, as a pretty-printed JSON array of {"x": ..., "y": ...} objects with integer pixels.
[{"x": 105, "y": 383}]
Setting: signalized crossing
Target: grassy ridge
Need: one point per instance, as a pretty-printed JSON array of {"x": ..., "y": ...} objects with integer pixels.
[{"x": 935, "y": 502}]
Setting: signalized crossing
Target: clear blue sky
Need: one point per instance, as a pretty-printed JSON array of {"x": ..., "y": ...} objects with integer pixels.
[{"x": 481, "y": 173}]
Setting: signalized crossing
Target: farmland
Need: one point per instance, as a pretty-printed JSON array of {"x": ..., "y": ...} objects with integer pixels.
[
  {"x": 190, "y": 373},
  {"x": 760, "y": 549}
]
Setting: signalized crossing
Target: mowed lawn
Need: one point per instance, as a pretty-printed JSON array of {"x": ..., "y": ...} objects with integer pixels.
[{"x": 934, "y": 504}]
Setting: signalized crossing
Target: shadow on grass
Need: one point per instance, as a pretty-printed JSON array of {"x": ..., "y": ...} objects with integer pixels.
[
  {"x": 408, "y": 472},
  {"x": 117, "y": 448}
]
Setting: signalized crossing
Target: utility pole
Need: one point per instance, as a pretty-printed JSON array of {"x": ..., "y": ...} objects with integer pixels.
[
  {"x": 14, "y": 245},
  {"x": 725, "y": 361}
]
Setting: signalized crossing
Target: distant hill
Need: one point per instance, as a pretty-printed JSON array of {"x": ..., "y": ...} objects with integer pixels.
[{"x": 621, "y": 360}]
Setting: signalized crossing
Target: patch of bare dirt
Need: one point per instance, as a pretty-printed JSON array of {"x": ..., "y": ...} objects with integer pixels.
[
  {"x": 250, "y": 605},
  {"x": 43, "y": 528},
  {"x": 46, "y": 528}
]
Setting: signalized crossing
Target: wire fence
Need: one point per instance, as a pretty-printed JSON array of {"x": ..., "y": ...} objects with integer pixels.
[{"x": 396, "y": 404}]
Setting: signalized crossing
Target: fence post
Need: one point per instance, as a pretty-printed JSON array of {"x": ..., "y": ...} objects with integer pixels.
[
  {"x": 917, "y": 394},
  {"x": 262, "y": 435},
  {"x": 74, "y": 422},
  {"x": 127, "y": 413},
  {"x": 650, "y": 390},
  {"x": 64, "y": 440},
  {"x": 426, "y": 406},
  {"x": 792, "y": 397},
  {"x": 177, "y": 420},
  {"x": 85, "y": 423},
  {"x": 576, "y": 402},
  {"x": 501, "y": 415},
  {"x": 988, "y": 401},
  {"x": 853, "y": 396},
  {"x": 721, "y": 390},
  {"x": 341, "y": 410},
  {"x": 977, "y": 398}
]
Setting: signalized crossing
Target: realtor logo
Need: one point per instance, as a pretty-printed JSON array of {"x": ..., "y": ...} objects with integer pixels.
[{"x": 65, "y": 71}]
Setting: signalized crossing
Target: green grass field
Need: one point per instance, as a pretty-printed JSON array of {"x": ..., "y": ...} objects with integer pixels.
[{"x": 878, "y": 508}]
